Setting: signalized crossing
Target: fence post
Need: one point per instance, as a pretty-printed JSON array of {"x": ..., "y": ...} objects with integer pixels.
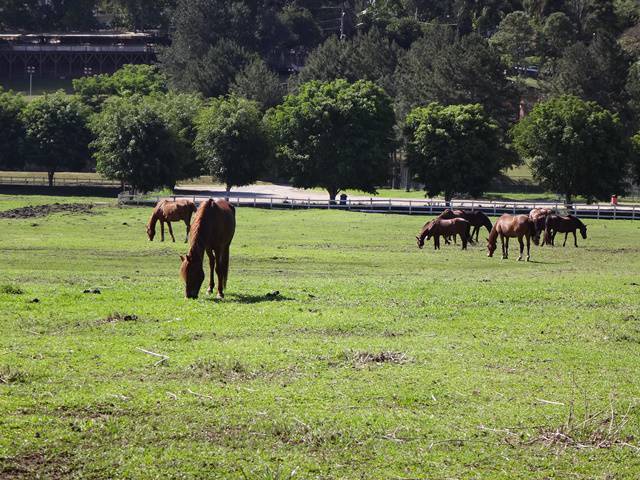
[
  {"x": 615, "y": 207},
  {"x": 389, "y": 204},
  {"x": 254, "y": 201},
  {"x": 271, "y": 202},
  {"x": 633, "y": 213},
  {"x": 598, "y": 216},
  {"x": 409, "y": 207}
]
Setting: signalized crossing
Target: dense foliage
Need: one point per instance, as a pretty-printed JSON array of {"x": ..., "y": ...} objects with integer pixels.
[
  {"x": 136, "y": 145},
  {"x": 12, "y": 130},
  {"x": 455, "y": 149},
  {"x": 575, "y": 148},
  {"x": 57, "y": 133},
  {"x": 334, "y": 135},
  {"x": 231, "y": 141}
]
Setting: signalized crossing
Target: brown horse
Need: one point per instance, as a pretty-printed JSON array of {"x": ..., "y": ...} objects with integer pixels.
[
  {"x": 212, "y": 232},
  {"x": 476, "y": 218},
  {"x": 508, "y": 226},
  {"x": 438, "y": 227},
  {"x": 167, "y": 211},
  {"x": 566, "y": 225},
  {"x": 538, "y": 216}
]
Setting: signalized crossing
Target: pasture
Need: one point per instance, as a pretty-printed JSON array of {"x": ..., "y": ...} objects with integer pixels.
[{"x": 340, "y": 351}]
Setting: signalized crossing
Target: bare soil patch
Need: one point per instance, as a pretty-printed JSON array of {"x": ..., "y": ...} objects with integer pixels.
[{"x": 44, "y": 210}]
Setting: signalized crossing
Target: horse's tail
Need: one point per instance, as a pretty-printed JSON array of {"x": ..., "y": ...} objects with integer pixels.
[
  {"x": 223, "y": 260},
  {"x": 468, "y": 233},
  {"x": 547, "y": 229}
]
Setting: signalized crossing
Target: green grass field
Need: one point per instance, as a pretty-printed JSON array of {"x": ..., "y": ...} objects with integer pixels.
[{"x": 374, "y": 360}]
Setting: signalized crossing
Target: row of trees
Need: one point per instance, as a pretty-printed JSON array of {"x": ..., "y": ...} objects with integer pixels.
[{"x": 336, "y": 135}]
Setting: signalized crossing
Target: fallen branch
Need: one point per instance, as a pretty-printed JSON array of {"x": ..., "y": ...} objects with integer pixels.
[
  {"x": 550, "y": 402},
  {"x": 200, "y": 395},
  {"x": 163, "y": 358}
]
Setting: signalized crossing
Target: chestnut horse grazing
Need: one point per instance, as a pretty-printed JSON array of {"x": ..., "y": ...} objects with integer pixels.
[
  {"x": 508, "y": 226},
  {"x": 438, "y": 227},
  {"x": 539, "y": 215},
  {"x": 212, "y": 232},
  {"x": 566, "y": 225},
  {"x": 167, "y": 211},
  {"x": 476, "y": 218}
]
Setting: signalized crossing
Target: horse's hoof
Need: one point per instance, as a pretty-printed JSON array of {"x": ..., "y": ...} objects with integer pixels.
[
  {"x": 220, "y": 296},
  {"x": 519, "y": 259},
  {"x": 209, "y": 291},
  {"x": 528, "y": 258}
]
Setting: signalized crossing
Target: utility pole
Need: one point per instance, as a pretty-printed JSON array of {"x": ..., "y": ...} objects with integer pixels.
[
  {"x": 342, "y": 36},
  {"x": 31, "y": 70}
]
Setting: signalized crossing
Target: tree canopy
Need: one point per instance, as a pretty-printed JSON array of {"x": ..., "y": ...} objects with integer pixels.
[
  {"x": 334, "y": 135},
  {"x": 575, "y": 148},
  {"x": 454, "y": 149},
  {"x": 12, "y": 130}
]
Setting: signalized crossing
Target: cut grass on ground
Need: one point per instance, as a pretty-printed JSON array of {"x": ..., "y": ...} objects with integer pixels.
[{"x": 341, "y": 351}]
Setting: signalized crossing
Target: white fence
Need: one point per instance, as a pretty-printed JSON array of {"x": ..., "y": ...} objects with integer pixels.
[{"x": 407, "y": 206}]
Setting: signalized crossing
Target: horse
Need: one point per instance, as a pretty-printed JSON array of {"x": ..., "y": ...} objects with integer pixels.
[
  {"x": 437, "y": 227},
  {"x": 557, "y": 223},
  {"x": 538, "y": 216},
  {"x": 476, "y": 218},
  {"x": 170, "y": 211},
  {"x": 213, "y": 228},
  {"x": 512, "y": 226}
]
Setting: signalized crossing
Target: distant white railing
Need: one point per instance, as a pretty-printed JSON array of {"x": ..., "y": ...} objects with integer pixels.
[
  {"x": 406, "y": 206},
  {"x": 43, "y": 180}
]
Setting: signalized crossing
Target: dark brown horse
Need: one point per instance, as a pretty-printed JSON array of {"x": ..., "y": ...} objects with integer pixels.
[
  {"x": 476, "y": 218},
  {"x": 509, "y": 226},
  {"x": 566, "y": 225},
  {"x": 212, "y": 232},
  {"x": 539, "y": 216},
  {"x": 167, "y": 211},
  {"x": 438, "y": 227}
]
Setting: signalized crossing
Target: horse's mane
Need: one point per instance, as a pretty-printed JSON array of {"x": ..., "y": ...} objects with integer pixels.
[
  {"x": 425, "y": 228},
  {"x": 199, "y": 228},
  {"x": 493, "y": 235}
]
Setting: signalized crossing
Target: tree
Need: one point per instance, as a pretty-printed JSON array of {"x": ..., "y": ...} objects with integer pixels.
[
  {"x": 232, "y": 141},
  {"x": 12, "y": 130},
  {"x": 334, "y": 135},
  {"x": 632, "y": 89},
  {"x": 57, "y": 132},
  {"x": 574, "y": 147},
  {"x": 128, "y": 80},
  {"x": 135, "y": 145},
  {"x": 441, "y": 68},
  {"x": 595, "y": 72},
  {"x": 516, "y": 38},
  {"x": 454, "y": 149},
  {"x": 635, "y": 165},
  {"x": 558, "y": 33},
  {"x": 256, "y": 82}
]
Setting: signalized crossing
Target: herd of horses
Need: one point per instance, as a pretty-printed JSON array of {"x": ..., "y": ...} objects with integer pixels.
[
  {"x": 525, "y": 228},
  {"x": 214, "y": 225}
]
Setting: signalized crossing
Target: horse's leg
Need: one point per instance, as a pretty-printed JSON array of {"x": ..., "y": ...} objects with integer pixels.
[
  {"x": 506, "y": 247},
  {"x": 521, "y": 247},
  {"x": 222, "y": 269},
  {"x": 162, "y": 230},
  {"x": 566, "y": 234},
  {"x": 436, "y": 242},
  {"x": 212, "y": 264},
  {"x": 188, "y": 224},
  {"x": 528, "y": 248},
  {"x": 504, "y": 251},
  {"x": 171, "y": 232},
  {"x": 575, "y": 239},
  {"x": 464, "y": 238},
  {"x": 476, "y": 230}
]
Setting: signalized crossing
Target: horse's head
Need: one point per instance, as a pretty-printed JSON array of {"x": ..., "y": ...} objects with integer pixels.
[
  {"x": 420, "y": 240},
  {"x": 583, "y": 231},
  {"x": 192, "y": 274},
  {"x": 491, "y": 247},
  {"x": 151, "y": 232}
]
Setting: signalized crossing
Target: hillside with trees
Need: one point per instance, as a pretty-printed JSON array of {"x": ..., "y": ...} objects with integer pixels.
[{"x": 487, "y": 59}]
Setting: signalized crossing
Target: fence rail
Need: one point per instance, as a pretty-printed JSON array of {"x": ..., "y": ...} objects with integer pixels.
[
  {"x": 65, "y": 181},
  {"x": 406, "y": 206}
]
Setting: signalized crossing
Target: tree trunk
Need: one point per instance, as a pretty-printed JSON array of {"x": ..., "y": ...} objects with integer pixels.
[
  {"x": 228, "y": 186},
  {"x": 567, "y": 199},
  {"x": 333, "y": 192},
  {"x": 50, "y": 175},
  {"x": 447, "y": 198}
]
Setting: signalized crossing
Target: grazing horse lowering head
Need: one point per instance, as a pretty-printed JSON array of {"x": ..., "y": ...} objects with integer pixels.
[
  {"x": 583, "y": 230},
  {"x": 193, "y": 275},
  {"x": 420, "y": 241},
  {"x": 491, "y": 247},
  {"x": 151, "y": 232}
]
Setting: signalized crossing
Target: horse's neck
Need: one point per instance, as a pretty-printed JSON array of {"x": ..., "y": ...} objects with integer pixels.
[
  {"x": 423, "y": 232},
  {"x": 155, "y": 216},
  {"x": 493, "y": 234}
]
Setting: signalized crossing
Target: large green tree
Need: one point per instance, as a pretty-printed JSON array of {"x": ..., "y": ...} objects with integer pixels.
[
  {"x": 516, "y": 38},
  {"x": 12, "y": 130},
  {"x": 57, "y": 132},
  {"x": 136, "y": 145},
  {"x": 258, "y": 83},
  {"x": 448, "y": 70},
  {"x": 334, "y": 135},
  {"x": 574, "y": 148},
  {"x": 232, "y": 141},
  {"x": 454, "y": 149}
]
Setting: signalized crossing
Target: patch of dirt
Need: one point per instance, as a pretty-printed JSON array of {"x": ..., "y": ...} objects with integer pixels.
[
  {"x": 44, "y": 210},
  {"x": 11, "y": 290},
  {"x": 119, "y": 317},
  {"x": 36, "y": 465},
  {"x": 362, "y": 359}
]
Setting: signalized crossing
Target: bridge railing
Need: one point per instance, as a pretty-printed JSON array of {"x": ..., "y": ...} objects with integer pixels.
[{"x": 405, "y": 206}]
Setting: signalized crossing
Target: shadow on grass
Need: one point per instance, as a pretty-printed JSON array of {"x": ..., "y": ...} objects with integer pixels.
[{"x": 249, "y": 299}]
